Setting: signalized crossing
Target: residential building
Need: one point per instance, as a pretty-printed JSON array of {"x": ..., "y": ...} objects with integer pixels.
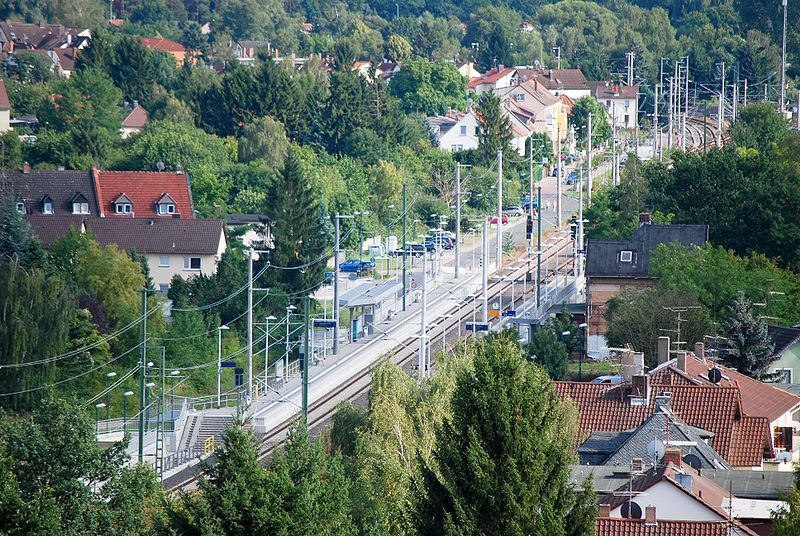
[
  {"x": 569, "y": 82},
  {"x": 5, "y": 108},
  {"x": 546, "y": 112},
  {"x": 498, "y": 78},
  {"x": 143, "y": 194},
  {"x": 50, "y": 193},
  {"x": 246, "y": 51},
  {"x": 135, "y": 121},
  {"x": 787, "y": 353},
  {"x": 455, "y": 131},
  {"x": 615, "y": 265},
  {"x": 63, "y": 61},
  {"x": 620, "y": 102},
  {"x": 170, "y": 246},
  {"x": 23, "y": 36},
  {"x": 468, "y": 70},
  {"x": 176, "y": 50},
  {"x": 387, "y": 69}
]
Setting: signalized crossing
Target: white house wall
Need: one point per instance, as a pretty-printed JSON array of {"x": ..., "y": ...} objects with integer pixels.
[{"x": 672, "y": 503}]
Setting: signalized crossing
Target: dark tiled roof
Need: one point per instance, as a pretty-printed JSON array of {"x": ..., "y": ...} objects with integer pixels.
[
  {"x": 602, "y": 256},
  {"x": 158, "y": 235},
  {"x": 608, "y": 90},
  {"x": 600, "y": 445},
  {"x": 4, "y": 102},
  {"x": 665, "y": 527},
  {"x": 556, "y": 78},
  {"x": 60, "y": 186},
  {"x": 50, "y": 228},
  {"x": 144, "y": 188},
  {"x": 783, "y": 338},
  {"x": 245, "y": 219}
]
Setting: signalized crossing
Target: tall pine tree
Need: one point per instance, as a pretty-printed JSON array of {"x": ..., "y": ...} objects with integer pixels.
[
  {"x": 495, "y": 129},
  {"x": 504, "y": 457},
  {"x": 298, "y": 247},
  {"x": 749, "y": 348}
]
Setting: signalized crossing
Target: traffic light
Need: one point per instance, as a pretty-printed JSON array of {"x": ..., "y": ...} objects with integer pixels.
[{"x": 529, "y": 227}]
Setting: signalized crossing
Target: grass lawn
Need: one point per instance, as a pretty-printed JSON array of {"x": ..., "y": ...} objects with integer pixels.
[{"x": 592, "y": 369}]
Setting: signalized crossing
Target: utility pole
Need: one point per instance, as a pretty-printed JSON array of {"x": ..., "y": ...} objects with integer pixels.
[
  {"x": 613, "y": 147},
  {"x": 405, "y": 216},
  {"x": 306, "y": 363},
  {"x": 782, "y": 107},
  {"x": 557, "y": 51},
  {"x": 485, "y": 272},
  {"x": 721, "y": 115},
  {"x": 558, "y": 179},
  {"x": 249, "y": 387},
  {"x": 589, "y": 150},
  {"x": 735, "y": 97},
  {"x": 744, "y": 93},
  {"x": 629, "y": 59},
  {"x": 670, "y": 110},
  {"x": 580, "y": 223},
  {"x": 685, "y": 104},
  {"x": 530, "y": 180},
  {"x": 336, "y": 274},
  {"x": 142, "y": 370},
  {"x": 655, "y": 121},
  {"x": 499, "y": 251},
  {"x": 421, "y": 357},
  {"x": 458, "y": 217},
  {"x": 539, "y": 249}
]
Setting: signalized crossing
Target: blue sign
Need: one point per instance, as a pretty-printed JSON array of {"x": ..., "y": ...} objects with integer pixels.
[
  {"x": 228, "y": 364},
  {"x": 324, "y": 323},
  {"x": 581, "y": 252},
  {"x": 477, "y": 326},
  {"x": 372, "y": 260},
  {"x": 510, "y": 312}
]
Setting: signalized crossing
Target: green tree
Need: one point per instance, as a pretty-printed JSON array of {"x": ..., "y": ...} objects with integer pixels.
[
  {"x": 32, "y": 67},
  {"x": 176, "y": 145},
  {"x": 10, "y": 150},
  {"x": 584, "y": 107},
  {"x": 346, "y": 109},
  {"x": 398, "y": 49},
  {"x": 749, "y": 348},
  {"x": 504, "y": 457},
  {"x": 495, "y": 29},
  {"x": 264, "y": 139},
  {"x": 495, "y": 128},
  {"x": 429, "y": 88},
  {"x": 786, "y": 518},
  {"x": 547, "y": 349},
  {"x": 17, "y": 242},
  {"x": 758, "y": 126}
]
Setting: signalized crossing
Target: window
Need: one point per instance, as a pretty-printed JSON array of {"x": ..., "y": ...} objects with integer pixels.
[
  {"x": 626, "y": 256},
  {"x": 47, "y": 207},
  {"x": 166, "y": 208},
  {"x": 80, "y": 208},
  {"x": 782, "y": 437},
  {"x": 520, "y": 97},
  {"x": 627, "y": 118},
  {"x": 608, "y": 104},
  {"x": 463, "y": 130},
  {"x": 21, "y": 208},
  {"x": 454, "y": 147},
  {"x": 163, "y": 261},
  {"x": 191, "y": 263},
  {"x": 784, "y": 375},
  {"x": 123, "y": 208}
]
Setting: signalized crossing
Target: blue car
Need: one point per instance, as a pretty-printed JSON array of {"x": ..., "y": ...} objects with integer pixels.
[{"x": 355, "y": 266}]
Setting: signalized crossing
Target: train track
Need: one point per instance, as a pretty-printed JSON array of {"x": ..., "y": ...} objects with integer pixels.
[{"x": 404, "y": 352}]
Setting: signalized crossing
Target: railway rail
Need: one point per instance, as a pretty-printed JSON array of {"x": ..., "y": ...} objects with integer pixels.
[{"x": 405, "y": 351}]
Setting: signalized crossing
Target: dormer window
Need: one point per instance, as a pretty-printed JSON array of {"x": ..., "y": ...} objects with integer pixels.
[
  {"x": 165, "y": 205},
  {"x": 21, "y": 207},
  {"x": 79, "y": 203},
  {"x": 47, "y": 205},
  {"x": 123, "y": 205}
]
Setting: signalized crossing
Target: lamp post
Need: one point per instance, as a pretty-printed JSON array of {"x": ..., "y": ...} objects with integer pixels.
[
  {"x": 147, "y": 397},
  {"x": 109, "y": 377},
  {"x": 219, "y": 364},
  {"x": 266, "y": 345},
  {"x": 125, "y": 396},
  {"x": 97, "y": 408},
  {"x": 582, "y": 326},
  {"x": 472, "y": 264},
  {"x": 172, "y": 377}
]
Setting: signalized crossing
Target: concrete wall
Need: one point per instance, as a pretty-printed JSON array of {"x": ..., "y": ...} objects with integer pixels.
[
  {"x": 789, "y": 360},
  {"x": 162, "y": 275}
]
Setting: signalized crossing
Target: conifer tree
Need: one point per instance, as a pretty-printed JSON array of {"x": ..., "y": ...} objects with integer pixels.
[
  {"x": 749, "y": 348},
  {"x": 16, "y": 238},
  {"x": 495, "y": 129}
]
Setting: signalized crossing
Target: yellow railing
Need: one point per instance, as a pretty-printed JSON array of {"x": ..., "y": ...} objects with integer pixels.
[{"x": 208, "y": 446}]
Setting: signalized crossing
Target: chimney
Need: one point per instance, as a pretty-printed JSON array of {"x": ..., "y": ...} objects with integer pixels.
[
  {"x": 640, "y": 386},
  {"x": 672, "y": 454},
  {"x": 605, "y": 511},
  {"x": 644, "y": 219},
  {"x": 650, "y": 516},
  {"x": 663, "y": 350},
  {"x": 700, "y": 351},
  {"x": 26, "y": 167},
  {"x": 682, "y": 361}
]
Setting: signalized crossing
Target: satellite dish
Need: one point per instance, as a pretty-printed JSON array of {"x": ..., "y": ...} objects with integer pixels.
[
  {"x": 785, "y": 457},
  {"x": 160, "y": 165},
  {"x": 655, "y": 449},
  {"x": 693, "y": 461},
  {"x": 714, "y": 375},
  {"x": 631, "y": 510}
]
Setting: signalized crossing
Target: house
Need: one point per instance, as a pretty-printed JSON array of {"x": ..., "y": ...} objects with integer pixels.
[
  {"x": 135, "y": 121},
  {"x": 176, "y": 50},
  {"x": 387, "y": 69},
  {"x": 614, "y": 265},
  {"x": 49, "y": 193},
  {"x": 252, "y": 229},
  {"x": 547, "y": 111},
  {"x": 23, "y": 36},
  {"x": 620, "y": 102},
  {"x": 569, "y": 82},
  {"x": 143, "y": 194},
  {"x": 468, "y": 70},
  {"x": 492, "y": 80},
  {"x": 455, "y": 131},
  {"x": 5, "y": 108},
  {"x": 246, "y": 51},
  {"x": 661, "y": 527},
  {"x": 780, "y": 409},
  {"x": 63, "y": 61},
  {"x": 170, "y": 246},
  {"x": 787, "y": 351},
  {"x": 364, "y": 68}
]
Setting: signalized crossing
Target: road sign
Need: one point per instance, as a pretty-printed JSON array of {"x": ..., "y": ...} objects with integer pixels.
[
  {"x": 581, "y": 252},
  {"x": 372, "y": 260},
  {"x": 510, "y": 312},
  {"x": 324, "y": 324},
  {"x": 228, "y": 364},
  {"x": 478, "y": 326}
]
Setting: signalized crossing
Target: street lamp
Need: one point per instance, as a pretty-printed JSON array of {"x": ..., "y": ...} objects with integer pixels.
[
  {"x": 148, "y": 385},
  {"x": 580, "y": 355},
  {"x": 125, "y": 396},
  {"x": 97, "y": 408},
  {"x": 109, "y": 376},
  {"x": 172, "y": 377},
  {"x": 219, "y": 364}
]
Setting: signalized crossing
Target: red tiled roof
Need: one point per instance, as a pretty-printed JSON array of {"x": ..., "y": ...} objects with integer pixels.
[
  {"x": 143, "y": 188},
  {"x": 750, "y": 431},
  {"x": 160, "y": 43},
  {"x": 4, "y": 103},
  {"x": 490, "y": 77},
  {"x": 665, "y": 527},
  {"x": 136, "y": 119}
]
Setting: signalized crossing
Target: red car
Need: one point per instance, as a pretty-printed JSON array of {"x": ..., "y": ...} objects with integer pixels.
[{"x": 493, "y": 219}]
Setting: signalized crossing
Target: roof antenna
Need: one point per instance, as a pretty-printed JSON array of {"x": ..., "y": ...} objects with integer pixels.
[{"x": 160, "y": 165}]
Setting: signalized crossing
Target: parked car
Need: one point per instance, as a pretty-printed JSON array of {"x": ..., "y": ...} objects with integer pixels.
[
  {"x": 493, "y": 219},
  {"x": 440, "y": 241},
  {"x": 514, "y": 210},
  {"x": 608, "y": 379},
  {"x": 413, "y": 249},
  {"x": 572, "y": 178},
  {"x": 354, "y": 266}
]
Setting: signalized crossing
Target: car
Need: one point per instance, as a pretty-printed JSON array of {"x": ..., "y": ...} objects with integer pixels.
[
  {"x": 440, "y": 240},
  {"x": 615, "y": 380},
  {"x": 413, "y": 249},
  {"x": 355, "y": 266},
  {"x": 514, "y": 210},
  {"x": 493, "y": 219},
  {"x": 571, "y": 179}
]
